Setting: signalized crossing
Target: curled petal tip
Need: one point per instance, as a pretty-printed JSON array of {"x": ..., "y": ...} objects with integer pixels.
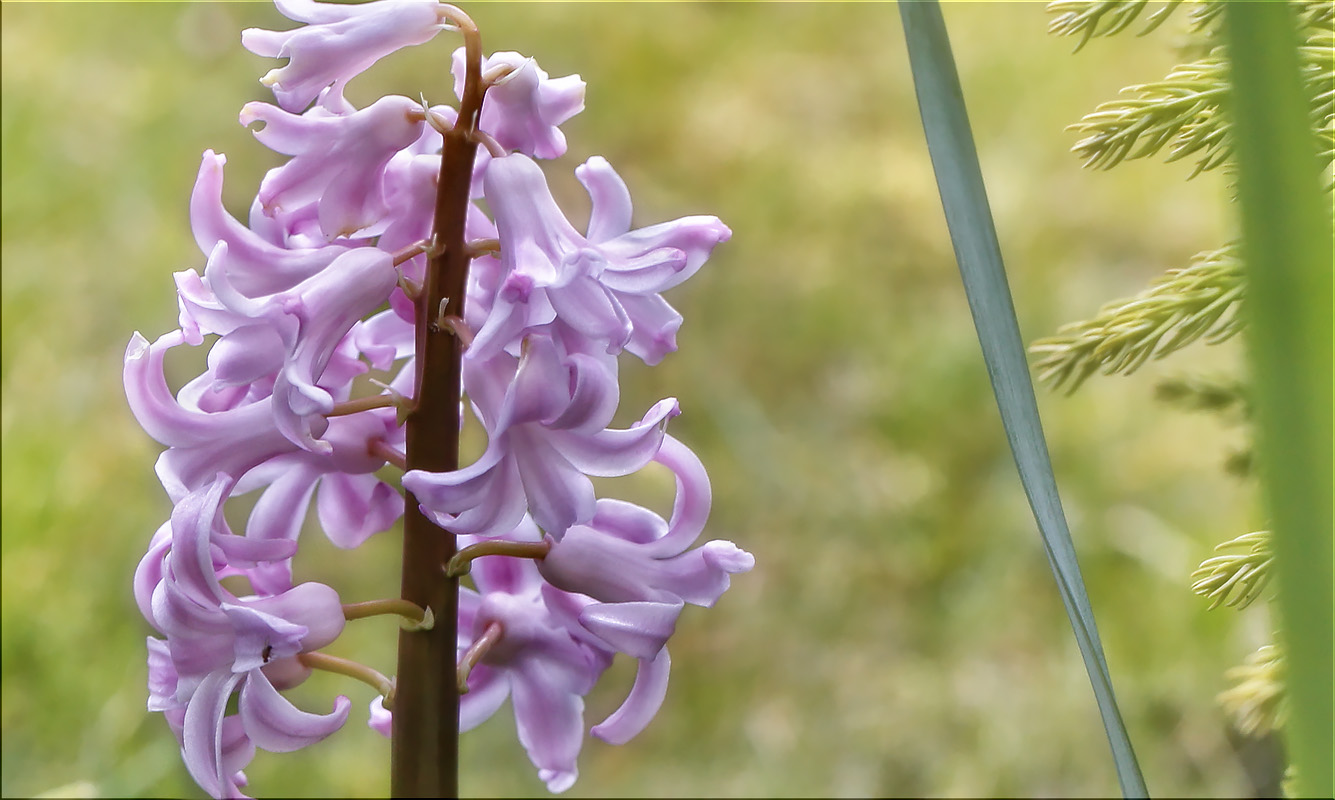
[
  {"x": 728, "y": 557},
  {"x": 138, "y": 347}
]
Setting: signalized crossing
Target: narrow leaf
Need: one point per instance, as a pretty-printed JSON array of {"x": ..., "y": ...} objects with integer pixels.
[
  {"x": 960, "y": 181},
  {"x": 1286, "y": 226}
]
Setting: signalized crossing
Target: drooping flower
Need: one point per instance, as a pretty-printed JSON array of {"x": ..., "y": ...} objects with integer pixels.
[
  {"x": 218, "y": 644},
  {"x": 338, "y": 160},
  {"x": 201, "y": 441},
  {"x": 534, "y": 660},
  {"x": 544, "y": 443},
  {"x": 260, "y": 266},
  {"x": 628, "y": 554},
  {"x": 338, "y": 42},
  {"x": 524, "y": 107},
  {"x": 308, "y": 322},
  {"x": 605, "y": 286}
]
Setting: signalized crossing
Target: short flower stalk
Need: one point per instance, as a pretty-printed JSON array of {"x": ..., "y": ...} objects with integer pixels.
[{"x": 368, "y": 250}]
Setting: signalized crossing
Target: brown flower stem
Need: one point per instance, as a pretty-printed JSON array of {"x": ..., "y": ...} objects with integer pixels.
[{"x": 424, "y": 754}]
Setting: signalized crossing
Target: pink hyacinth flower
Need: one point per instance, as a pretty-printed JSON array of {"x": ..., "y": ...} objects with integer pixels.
[
  {"x": 338, "y": 160},
  {"x": 541, "y": 450},
  {"x": 604, "y": 286},
  {"x": 524, "y": 107},
  {"x": 217, "y": 643},
  {"x": 538, "y": 664},
  {"x": 338, "y": 42}
]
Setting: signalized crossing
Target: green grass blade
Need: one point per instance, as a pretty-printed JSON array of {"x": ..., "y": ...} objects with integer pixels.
[
  {"x": 1286, "y": 225},
  {"x": 960, "y": 181}
]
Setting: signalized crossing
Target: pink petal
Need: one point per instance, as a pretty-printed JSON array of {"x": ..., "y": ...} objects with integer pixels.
[
  {"x": 639, "y": 629},
  {"x": 382, "y": 720},
  {"x": 274, "y": 724},
  {"x": 550, "y": 722},
  {"x": 352, "y": 508},
  {"x": 487, "y": 690},
  {"x": 691, "y": 508},
  {"x": 643, "y": 702},
  {"x": 611, "y": 214},
  {"x": 202, "y": 734},
  {"x": 341, "y": 42},
  {"x": 559, "y": 495},
  {"x": 612, "y": 453},
  {"x": 655, "y": 325},
  {"x": 595, "y": 397}
]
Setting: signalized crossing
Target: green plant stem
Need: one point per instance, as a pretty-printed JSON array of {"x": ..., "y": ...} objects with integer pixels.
[
  {"x": 1286, "y": 224},
  {"x": 424, "y": 755}
]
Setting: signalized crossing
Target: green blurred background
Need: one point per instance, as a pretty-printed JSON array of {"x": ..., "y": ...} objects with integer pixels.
[{"x": 901, "y": 634}]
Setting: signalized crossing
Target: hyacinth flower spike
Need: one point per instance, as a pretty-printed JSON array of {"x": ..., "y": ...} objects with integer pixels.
[{"x": 366, "y": 251}]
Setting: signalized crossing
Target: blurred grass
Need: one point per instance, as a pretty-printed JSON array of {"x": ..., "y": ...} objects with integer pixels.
[
  {"x": 900, "y": 634},
  {"x": 1286, "y": 222}
]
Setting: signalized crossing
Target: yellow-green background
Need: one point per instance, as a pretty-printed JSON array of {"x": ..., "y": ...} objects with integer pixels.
[{"x": 900, "y": 634}]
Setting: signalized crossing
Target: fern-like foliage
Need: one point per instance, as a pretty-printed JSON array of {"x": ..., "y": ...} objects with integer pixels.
[
  {"x": 1236, "y": 578},
  {"x": 1088, "y": 19},
  {"x": 1256, "y": 701},
  {"x": 1183, "y": 112},
  {"x": 1184, "y": 305},
  {"x": 1186, "y": 114}
]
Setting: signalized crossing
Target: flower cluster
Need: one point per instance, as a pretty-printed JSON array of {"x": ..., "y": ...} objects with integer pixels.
[{"x": 323, "y": 284}]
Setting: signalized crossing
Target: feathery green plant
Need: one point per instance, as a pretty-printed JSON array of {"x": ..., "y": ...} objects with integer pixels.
[
  {"x": 1256, "y": 702},
  {"x": 1184, "y": 305},
  {"x": 1086, "y": 19},
  {"x": 1184, "y": 111},
  {"x": 1236, "y": 579},
  {"x": 1192, "y": 112}
]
